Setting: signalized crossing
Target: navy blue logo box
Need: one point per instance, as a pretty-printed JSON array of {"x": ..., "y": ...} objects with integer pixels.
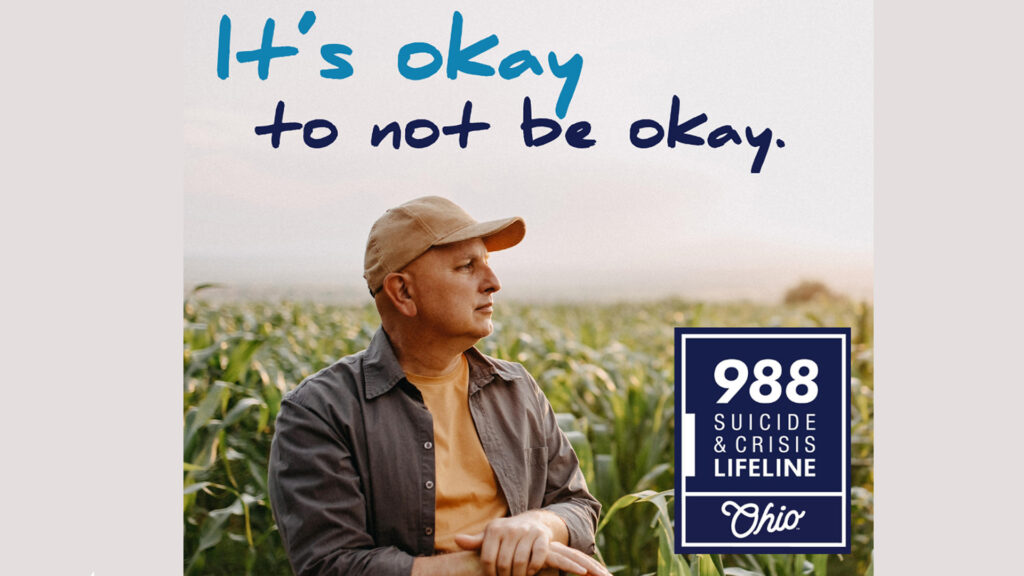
[{"x": 762, "y": 440}]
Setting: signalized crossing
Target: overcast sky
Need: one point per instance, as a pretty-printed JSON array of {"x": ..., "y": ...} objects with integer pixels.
[{"x": 611, "y": 219}]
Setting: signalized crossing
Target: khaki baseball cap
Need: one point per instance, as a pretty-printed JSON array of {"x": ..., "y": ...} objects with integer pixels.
[{"x": 404, "y": 233}]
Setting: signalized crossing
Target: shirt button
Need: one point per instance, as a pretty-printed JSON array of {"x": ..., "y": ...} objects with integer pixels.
[
  {"x": 428, "y": 444},
  {"x": 429, "y": 484},
  {"x": 428, "y": 531}
]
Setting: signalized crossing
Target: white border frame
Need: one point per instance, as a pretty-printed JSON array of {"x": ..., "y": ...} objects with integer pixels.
[{"x": 688, "y": 455}]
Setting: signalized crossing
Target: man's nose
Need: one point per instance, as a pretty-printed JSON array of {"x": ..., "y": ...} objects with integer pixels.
[{"x": 490, "y": 281}]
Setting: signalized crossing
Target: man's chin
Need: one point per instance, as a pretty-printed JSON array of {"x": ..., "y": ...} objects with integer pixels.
[{"x": 487, "y": 331}]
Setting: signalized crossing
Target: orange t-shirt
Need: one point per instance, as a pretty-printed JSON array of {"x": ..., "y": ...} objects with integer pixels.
[{"x": 467, "y": 496}]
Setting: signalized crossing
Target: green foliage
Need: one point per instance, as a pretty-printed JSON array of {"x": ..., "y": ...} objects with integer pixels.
[
  {"x": 607, "y": 369},
  {"x": 239, "y": 361}
]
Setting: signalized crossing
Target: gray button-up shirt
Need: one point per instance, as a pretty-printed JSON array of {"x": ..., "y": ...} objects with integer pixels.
[{"x": 352, "y": 466}]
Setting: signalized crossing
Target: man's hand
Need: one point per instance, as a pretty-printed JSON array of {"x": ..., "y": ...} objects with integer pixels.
[{"x": 522, "y": 545}]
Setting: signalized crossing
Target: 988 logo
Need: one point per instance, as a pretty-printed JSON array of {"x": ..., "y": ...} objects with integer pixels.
[{"x": 762, "y": 459}]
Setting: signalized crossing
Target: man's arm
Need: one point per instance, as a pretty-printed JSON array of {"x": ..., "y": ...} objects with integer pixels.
[
  {"x": 318, "y": 501},
  {"x": 567, "y": 495},
  {"x": 526, "y": 543},
  {"x": 465, "y": 563},
  {"x": 530, "y": 542},
  {"x": 541, "y": 538}
]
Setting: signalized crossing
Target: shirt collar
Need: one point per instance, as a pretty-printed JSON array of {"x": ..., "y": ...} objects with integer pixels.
[
  {"x": 483, "y": 369},
  {"x": 382, "y": 370}
]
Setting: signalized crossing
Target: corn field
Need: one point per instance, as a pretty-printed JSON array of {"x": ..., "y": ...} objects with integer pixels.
[{"x": 607, "y": 370}]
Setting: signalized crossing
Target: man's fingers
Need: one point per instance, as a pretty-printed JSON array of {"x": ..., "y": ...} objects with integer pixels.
[
  {"x": 521, "y": 560},
  {"x": 538, "y": 556},
  {"x": 506, "y": 555},
  {"x": 584, "y": 564},
  {"x": 525, "y": 556},
  {"x": 489, "y": 554},
  {"x": 593, "y": 567},
  {"x": 557, "y": 559},
  {"x": 470, "y": 541}
]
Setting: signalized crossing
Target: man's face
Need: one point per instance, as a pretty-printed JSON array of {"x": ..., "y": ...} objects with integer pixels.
[{"x": 453, "y": 287}]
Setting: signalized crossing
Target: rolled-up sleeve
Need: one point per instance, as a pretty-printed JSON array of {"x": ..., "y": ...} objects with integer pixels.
[{"x": 318, "y": 500}]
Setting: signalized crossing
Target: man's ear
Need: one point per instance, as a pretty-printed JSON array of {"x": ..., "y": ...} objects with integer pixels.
[{"x": 397, "y": 287}]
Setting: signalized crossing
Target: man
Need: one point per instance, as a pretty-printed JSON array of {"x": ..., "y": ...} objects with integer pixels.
[{"x": 420, "y": 455}]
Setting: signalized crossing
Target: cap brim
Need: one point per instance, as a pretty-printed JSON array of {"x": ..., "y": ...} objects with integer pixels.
[{"x": 496, "y": 234}]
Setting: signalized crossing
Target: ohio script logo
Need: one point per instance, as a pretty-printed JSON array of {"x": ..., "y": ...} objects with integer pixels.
[{"x": 749, "y": 515}]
